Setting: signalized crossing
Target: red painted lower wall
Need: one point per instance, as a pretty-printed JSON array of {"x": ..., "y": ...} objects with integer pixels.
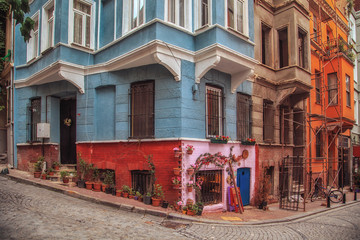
[
  {"x": 124, "y": 157},
  {"x": 29, "y": 154}
]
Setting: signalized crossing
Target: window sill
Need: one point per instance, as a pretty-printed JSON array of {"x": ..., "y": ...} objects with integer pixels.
[
  {"x": 32, "y": 60},
  {"x": 81, "y": 47},
  {"x": 47, "y": 50},
  {"x": 236, "y": 32}
]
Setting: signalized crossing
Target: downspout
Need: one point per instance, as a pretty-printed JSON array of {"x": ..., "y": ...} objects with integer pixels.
[{"x": 12, "y": 139}]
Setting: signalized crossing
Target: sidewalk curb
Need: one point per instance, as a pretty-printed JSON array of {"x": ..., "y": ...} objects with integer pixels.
[{"x": 174, "y": 216}]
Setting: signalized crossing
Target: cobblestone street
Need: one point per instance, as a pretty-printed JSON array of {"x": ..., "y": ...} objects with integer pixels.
[{"x": 28, "y": 212}]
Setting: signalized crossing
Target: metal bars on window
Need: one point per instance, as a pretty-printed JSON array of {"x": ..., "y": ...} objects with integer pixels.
[
  {"x": 284, "y": 125},
  {"x": 214, "y": 111},
  {"x": 211, "y": 189},
  {"x": 243, "y": 119},
  {"x": 34, "y": 117},
  {"x": 142, "y": 109},
  {"x": 141, "y": 181}
]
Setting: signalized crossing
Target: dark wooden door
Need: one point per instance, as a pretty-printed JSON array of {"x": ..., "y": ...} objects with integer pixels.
[{"x": 68, "y": 131}]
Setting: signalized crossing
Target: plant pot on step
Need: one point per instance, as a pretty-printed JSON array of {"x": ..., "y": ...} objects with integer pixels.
[
  {"x": 88, "y": 185},
  {"x": 81, "y": 183},
  {"x": 177, "y": 171},
  {"x": 97, "y": 186},
  {"x": 156, "y": 202},
  {"x": 108, "y": 190},
  {"x": 37, "y": 174},
  {"x": 43, "y": 176},
  {"x": 65, "y": 180},
  {"x": 165, "y": 204},
  {"x": 104, "y": 186},
  {"x": 147, "y": 200}
]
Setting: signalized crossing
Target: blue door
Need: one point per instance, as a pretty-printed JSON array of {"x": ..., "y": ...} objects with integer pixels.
[{"x": 243, "y": 182}]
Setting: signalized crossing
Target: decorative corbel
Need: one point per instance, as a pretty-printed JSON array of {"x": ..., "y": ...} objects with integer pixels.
[{"x": 170, "y": 62}]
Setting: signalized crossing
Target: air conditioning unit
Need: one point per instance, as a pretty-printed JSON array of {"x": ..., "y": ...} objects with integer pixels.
[{"x": 43, "y": 130}]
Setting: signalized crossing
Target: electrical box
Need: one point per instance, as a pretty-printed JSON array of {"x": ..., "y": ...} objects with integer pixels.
[{"x": 43, "y": 130}]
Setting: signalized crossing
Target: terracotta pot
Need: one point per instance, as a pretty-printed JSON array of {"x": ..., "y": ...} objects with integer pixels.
[
  {"x": 177, "y": 154},
  {"x": 43, "y": 176},
  {"x": 190, "y": 171},
  {"x": 177, "y": 171},
  {"x": 37, "y": 174},
  {"x": 51, "y": 173},
  {"x": 190, "y": 212},
  {"x": 118, "y": 194},
  {"x": 56, "y": 168},
  {"x": 189, "y": 152},
  {"x": 131, "y": 196},
  {"x": 97, "y": 187},
  {"x": 88, "y": 185},
  {"x": 189, "y": 188},
  {"x": 156, "y": 202},
  {"x": 65, "y": 180},
  {"x": 177, "y": 186},
  {"x": 125, "y": 194},
  {"x": 104, "y": 186}
]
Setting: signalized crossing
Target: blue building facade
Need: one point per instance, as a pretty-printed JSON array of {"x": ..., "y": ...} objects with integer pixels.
[{"x": 119, "y": 71}]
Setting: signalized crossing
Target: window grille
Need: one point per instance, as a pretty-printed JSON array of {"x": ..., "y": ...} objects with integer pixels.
[
  {"x": 141, "y": 181},
  {"x": 268, "y": 120},
  {"x": 244, "y": 121},
  {"x": 34, "y": 113},
  {"x": 332, "y": 89},
  {"x": 142, "y": 109},
  {"x": 214, "y": 111},
  {"x": 284, "y": 115},
  {"x": 318, "y": 86},
  {"x": 211, "y": 189}
]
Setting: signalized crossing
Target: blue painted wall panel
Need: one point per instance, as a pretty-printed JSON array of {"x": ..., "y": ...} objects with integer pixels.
[
  {"x": 119, "y": 16},
  {"x": 107, "y": 22},
  {"x": 218, "y": 10},
  {"x": 105, "y": 113}
]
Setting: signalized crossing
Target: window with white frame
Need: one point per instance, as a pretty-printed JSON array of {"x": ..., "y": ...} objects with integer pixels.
[
  {"x": 82, "y": 23},
  {"x": 214, "y": 111},
  {"x": 177, "y": 12},
  {"x": 133, "y": 14},
  {"x": 47, "y": 33},
  {"x": 236, "y": 14},
  {"x": 33, "y": 44},
  {"x": 347, "y": 82},
  {"x": 203, "y": 13}
]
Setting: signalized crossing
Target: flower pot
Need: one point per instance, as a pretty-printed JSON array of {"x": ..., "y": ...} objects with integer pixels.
[
  {"x": 247, "y": 143},
  {"x": 81, "y": 183},
  {"x": 177, "y": 186},
  {"x": 104, "y": 186},
  {"x": 108, "y": 190},
  {"x": 156, "y": 202},
  {"x": 118, "y": 193},
  {"x": 189, "y": 152},
  {"x": 43, "y": 176},
  {"x": 125, "y": 194},
  {"x": 131, "y": 196},
  {"x": 189, "y": 188},
  {"x": 200, "y": 210},
  {"x": 190, "y": 212},
  {"x": 51, "y": 173},
  {"x": 97, "y": 187},
  {"x": 136, "y": 197},
  {"x": 165, "y": 204},
  {"x": 190, "y": 171},
  {"x": 37, "y": 174},
  {"x": 213, "y": 140},
  {"x": 56, "y": 168},
  {"x": 65, "y": 180},
  {"x": 88, "y": 185},
  {"x": 113, "y": 191},
  {"x": 177, "y": 171},
  {"x": 177, "y": 154},
  {"x": 147, "y": 200}
]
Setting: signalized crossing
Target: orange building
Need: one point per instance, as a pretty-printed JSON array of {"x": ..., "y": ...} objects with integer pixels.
[{"x": 331, "y": 102}]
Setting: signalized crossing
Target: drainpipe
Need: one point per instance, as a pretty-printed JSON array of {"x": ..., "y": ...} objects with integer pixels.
[{"x": 11, "y": 157}]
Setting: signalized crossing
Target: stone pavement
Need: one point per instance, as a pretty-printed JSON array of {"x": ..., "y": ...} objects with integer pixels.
[{"x": 251, "y": 215}]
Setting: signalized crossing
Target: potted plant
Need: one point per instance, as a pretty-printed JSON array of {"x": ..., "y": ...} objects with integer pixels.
[
  {"x": 50, "y": 172},
  {"x": 191, "y": 210},
  {"x": 189, "y": 149},
  {"x": 131, "y": 193},
  {"x": 200, "y": 207},
  {"x": 184, "y": 209},
  {"x": 177, "y": 171},
  {"x": 108, "y": 181},
  {"x": 43, "y": 176},
  {"x": 220, "y": 139},
  {"x": 249, "y": 141},
  {"x": 190, "y": 170},
  {"x": 176, "y": 181},
  {"x": 125, "y": 191},
  {"x": 190, "y": 186},
  {"x": 177, "y": 152},
  {"x": 158, "y": 194},
  {"x": 64, "y": 175},
  {"x": 138, "y": 196},
  {"x": 84, "y": 169},
  {"x": 147, "y": 198},
  {"x": 38, "y": 166},
  {"x": 56, "y": 165},
  {"x": 118, "y": 192},
  {"x": 96, "y": 181},
  {"x": 178, "y": 205},
  {"x": 164, "y": 204}
]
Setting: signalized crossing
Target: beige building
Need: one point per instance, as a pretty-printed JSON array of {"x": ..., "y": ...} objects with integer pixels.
[{"x": 282, "y": 83}]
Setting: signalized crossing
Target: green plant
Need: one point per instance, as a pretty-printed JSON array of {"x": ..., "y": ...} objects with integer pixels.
[
  {"x": 158, "y": 192},
  {"x": 84, "y": 167},
  {"x": 131, "y": 191},
  {"x": 125, "y": 188},
  {"x": 56, "y": 164},
  {"x": 148, "y": 194},
  {"x": 39, "y": 164},
  {"x": 64, "y": 174},
  {"x": 95, "y": 174},
  {"x": 138, "y": 194},
  {"x": 109, "y": 177}
]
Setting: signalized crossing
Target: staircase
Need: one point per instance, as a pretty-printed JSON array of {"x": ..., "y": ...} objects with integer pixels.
[{"x": 71, "y": 168}]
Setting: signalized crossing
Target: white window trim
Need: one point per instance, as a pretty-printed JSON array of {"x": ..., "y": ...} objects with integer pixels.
[
  {"x": 187, "y": 14},
  {"x": 71, "y": 23},
  {"x": 245, "y": 15},
  {"x": 30, "y": 55},
  {"x": 126, "y": 24},
  {"x": 220, "y": 110},
  {"x": 44, "y": 25},
  {"x": 197, "y": 11}
]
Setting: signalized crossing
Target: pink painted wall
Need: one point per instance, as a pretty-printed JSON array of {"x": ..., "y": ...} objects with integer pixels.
[{"x": 205, "y": 146}]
